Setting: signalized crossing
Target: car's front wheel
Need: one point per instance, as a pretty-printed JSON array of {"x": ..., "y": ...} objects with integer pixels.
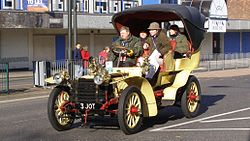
[
  {"x": 57, "y": 114},
  {"x": 130, "y": 110}
]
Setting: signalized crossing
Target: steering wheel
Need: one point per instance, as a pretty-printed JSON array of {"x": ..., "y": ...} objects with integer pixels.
[{"x": 120, "y": 51}]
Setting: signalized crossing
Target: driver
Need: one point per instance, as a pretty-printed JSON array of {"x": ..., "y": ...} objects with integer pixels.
[{"x": 126, "y": 49}]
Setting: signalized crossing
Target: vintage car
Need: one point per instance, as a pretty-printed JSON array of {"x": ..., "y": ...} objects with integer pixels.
[{"x": 123, "y": 93}]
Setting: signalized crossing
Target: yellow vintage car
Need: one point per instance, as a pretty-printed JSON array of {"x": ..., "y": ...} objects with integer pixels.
[{"x": 123, "y": 93}]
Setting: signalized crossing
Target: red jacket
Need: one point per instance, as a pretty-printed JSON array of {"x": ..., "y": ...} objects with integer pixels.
[{"x": 85, "y": 55}]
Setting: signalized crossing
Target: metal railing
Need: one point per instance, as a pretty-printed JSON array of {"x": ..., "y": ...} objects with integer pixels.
[
  {"x": 74, "y": 67},
  {"x": 16, "y": 62},
  {"x": 4, "y": 77},
  {"x": 209, "y": 62}
]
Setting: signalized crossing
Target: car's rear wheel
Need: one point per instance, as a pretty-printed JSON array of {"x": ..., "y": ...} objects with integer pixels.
[
  {"x": 130, "y": 110},
  {"x": 190, "y": 101},
  {"x": 58, "y": 116}
]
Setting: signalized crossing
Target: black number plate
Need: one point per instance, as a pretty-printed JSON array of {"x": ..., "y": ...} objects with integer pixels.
[{"x": 87, "y": 106}]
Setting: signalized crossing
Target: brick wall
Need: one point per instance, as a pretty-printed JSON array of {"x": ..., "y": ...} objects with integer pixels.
[{"x": 238, "y": 9}]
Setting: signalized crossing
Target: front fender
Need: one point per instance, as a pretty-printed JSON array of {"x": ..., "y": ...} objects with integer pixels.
[
  {"x": 141, "y": 83},
  {"x": 50, "y": 80}
]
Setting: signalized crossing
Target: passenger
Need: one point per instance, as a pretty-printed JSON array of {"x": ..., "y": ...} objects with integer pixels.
[
  {"x": 129, "y": 47},
  {"x": 157, "y": 39},
  {"x": 179, "y": 43},
  {"x": 158, "y": 44},
  {"x": 145, "y": 48},
  {"x": 178, "y": 47}
]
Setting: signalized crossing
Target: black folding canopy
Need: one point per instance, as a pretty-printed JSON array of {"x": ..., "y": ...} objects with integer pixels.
[{"x": 139, "y": 18}]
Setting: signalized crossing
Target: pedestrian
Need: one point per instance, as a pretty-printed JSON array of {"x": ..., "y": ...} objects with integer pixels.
[
  {"x": 77, "y": 60},
  {"x": 85, "y": 58},
  {"x": 104, "y": 55},
  {"x": 77, "y": 51}
]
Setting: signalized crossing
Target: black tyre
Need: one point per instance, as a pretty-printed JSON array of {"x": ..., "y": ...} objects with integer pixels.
[
  {"x": 190, "y": 100},
  {"x": 57, "y": 117},
  {"x": 130, "y": 110}
]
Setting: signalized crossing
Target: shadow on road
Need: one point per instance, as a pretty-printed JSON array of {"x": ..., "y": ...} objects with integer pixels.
[
  {"x": 171, "y": 113},
  {"x": 208, "y": 101},
  {"x": 168, "y": 113},
  {"x": 107, "y": 123}
]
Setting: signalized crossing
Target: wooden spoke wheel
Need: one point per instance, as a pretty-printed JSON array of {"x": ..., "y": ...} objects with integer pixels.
[
  {"x": 130, "y": 110},
  {"x": 190, "y": 101},
  {"x": 58, "y": 117}
]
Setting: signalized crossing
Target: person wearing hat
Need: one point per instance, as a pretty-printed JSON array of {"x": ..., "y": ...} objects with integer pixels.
[
  {"x": 157, "y": 39},
  {"x": 160, "y": 42},
  {"x": 131, "y": 46},
  {"x": 178, "y": 42}
]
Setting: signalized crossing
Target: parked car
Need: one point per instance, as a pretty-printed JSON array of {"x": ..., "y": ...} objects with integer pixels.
[{"x": 124, "y": 92}]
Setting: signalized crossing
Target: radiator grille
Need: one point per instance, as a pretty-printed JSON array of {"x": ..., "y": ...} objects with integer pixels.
[{"x": 87, "y": 91}]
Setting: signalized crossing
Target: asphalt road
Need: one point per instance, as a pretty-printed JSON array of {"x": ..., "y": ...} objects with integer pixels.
[{"x": 224, "y": 116}]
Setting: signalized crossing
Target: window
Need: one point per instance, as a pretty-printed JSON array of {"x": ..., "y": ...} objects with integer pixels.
[
  {"x": 100, "y": 6},
  {"x": 114, "y": 6},
  {"x": 8, "y": 4},
  {"x": 59, "y": 5},
  {"x": 82, "y": 5},
  {"x": 169, "y": 1},
  {"x": 129, "y": 4}
]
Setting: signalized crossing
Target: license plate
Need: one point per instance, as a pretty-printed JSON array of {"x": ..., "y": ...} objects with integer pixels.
[{"x": 87, "y": 106}]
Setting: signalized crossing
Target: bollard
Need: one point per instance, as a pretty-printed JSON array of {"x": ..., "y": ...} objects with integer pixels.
[{"x": 4, "y": 77}]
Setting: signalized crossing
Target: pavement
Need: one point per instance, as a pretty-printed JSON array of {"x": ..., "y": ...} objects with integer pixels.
[
  {"x": 223, "y": 73},
  {"x": 217, "y": 73},
  {"x": 20, "y": 74},
  {"x": 32, "y": 91}
]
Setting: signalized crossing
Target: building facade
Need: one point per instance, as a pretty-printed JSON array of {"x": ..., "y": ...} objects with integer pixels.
[
  {"x": 237, "y": 37},
  {"x": 32, "y": 30}
]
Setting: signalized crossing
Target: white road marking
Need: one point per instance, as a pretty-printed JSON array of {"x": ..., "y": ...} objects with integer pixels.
[
  {"x": 206, "y": 129},
  {"x": 198, "y": 120},
  {"x": 223, "y": 120},
  {"x": 23, "y": 99}
]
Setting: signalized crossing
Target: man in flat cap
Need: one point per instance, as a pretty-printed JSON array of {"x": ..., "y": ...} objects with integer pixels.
[
  {"x": 159, "y": 48},
  {"x": 157, "y": 39}
]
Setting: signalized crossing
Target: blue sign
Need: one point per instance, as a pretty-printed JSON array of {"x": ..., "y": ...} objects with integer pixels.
[
  {"x": 18, "y": 4},
  {"x": 35, "y": 5},
  {"x": 145, "y": 2}
]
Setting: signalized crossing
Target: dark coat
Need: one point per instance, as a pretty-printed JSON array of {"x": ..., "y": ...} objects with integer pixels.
[
  {"x": 77, "y": 54},
  {"x": 133, "y": 43},
  {"x": 160, "y": 42},
  {"x": 182, "y": 45}
]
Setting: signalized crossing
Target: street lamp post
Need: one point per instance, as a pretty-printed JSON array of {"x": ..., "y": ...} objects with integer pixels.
[
  {"x": 75, "y": 21},
  {"x": 69, "y": 28}
]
